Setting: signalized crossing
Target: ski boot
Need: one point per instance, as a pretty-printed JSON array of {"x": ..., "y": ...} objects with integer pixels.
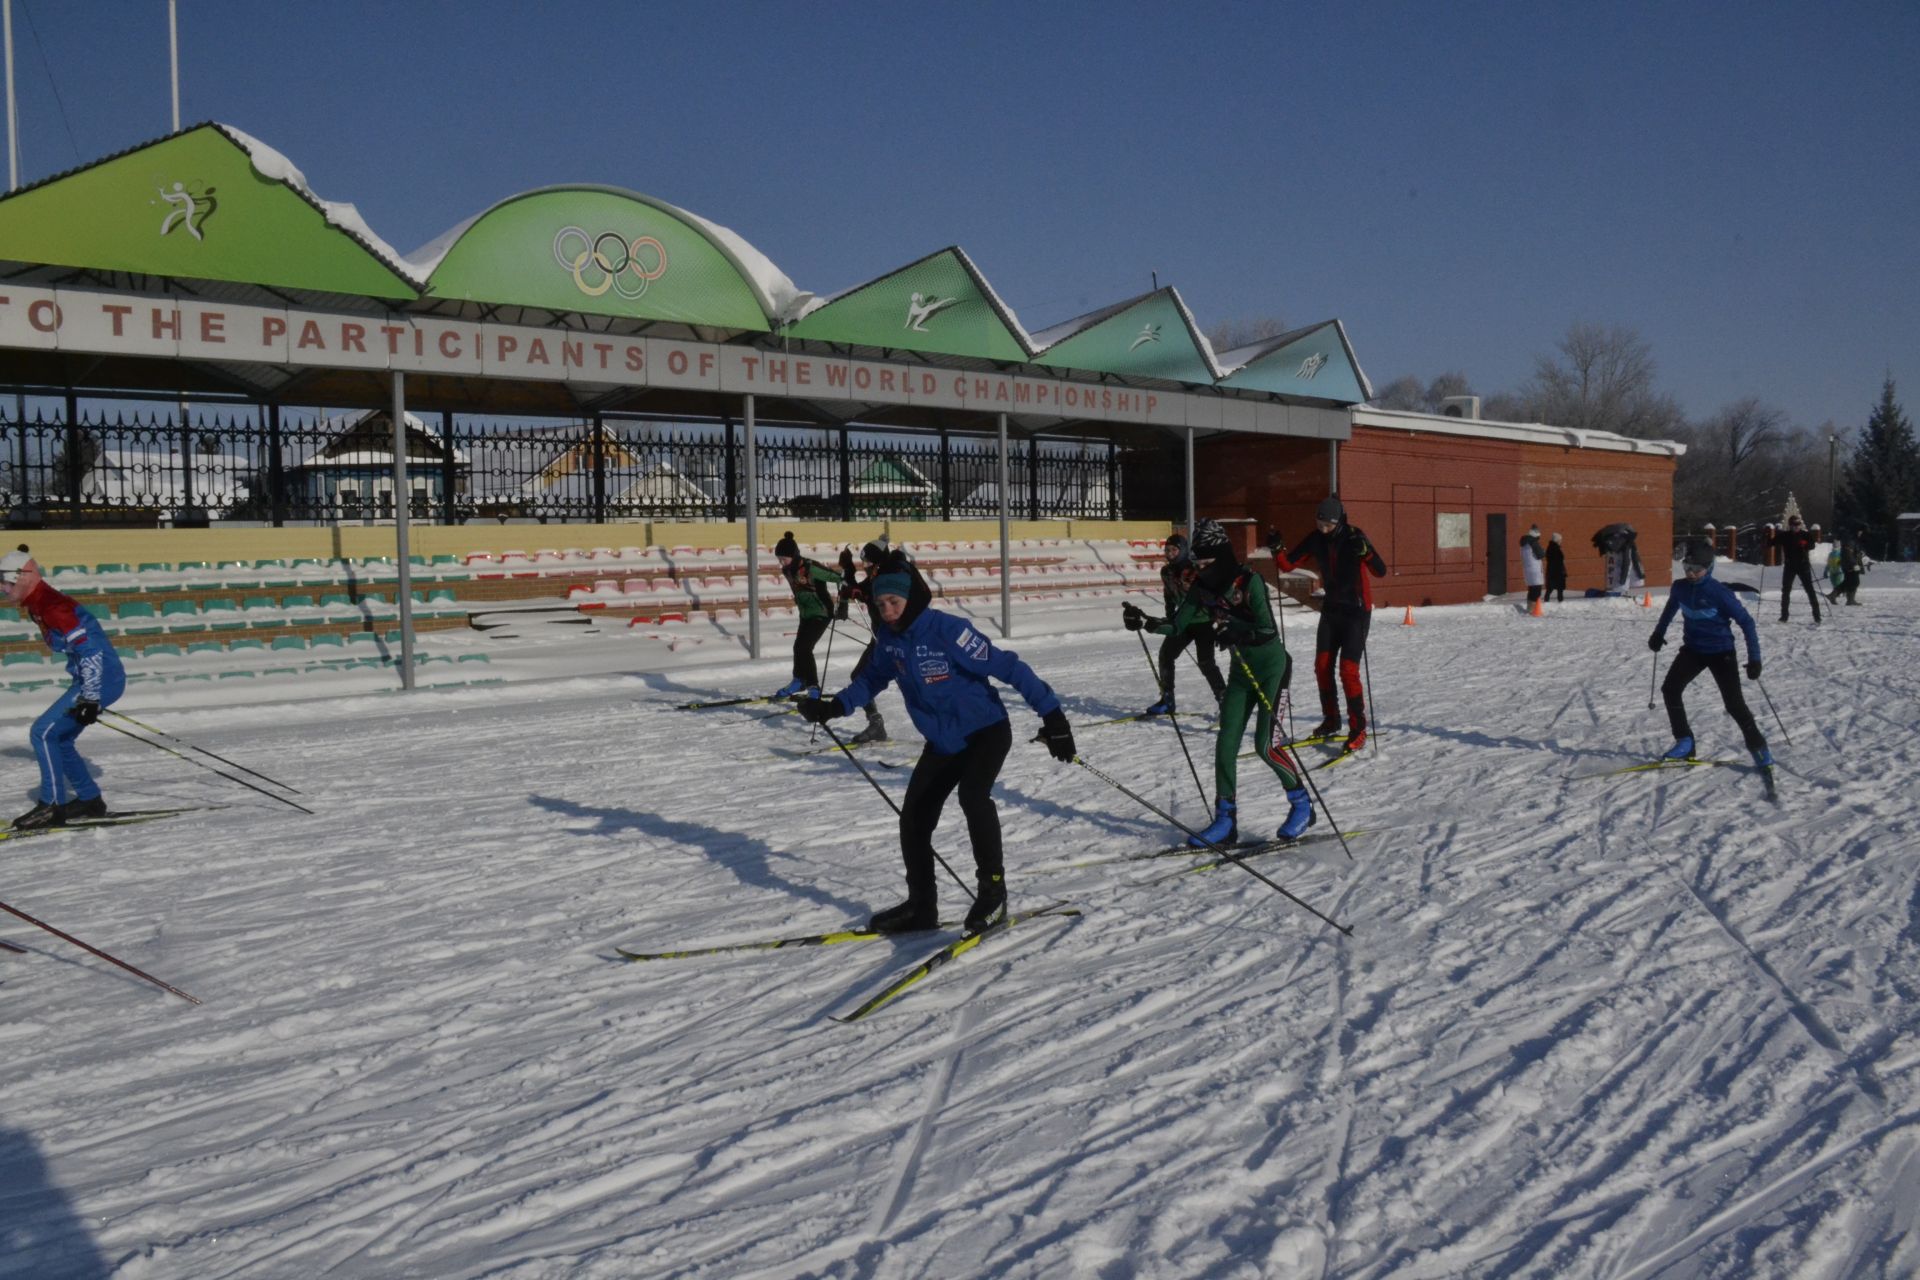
[
  {"x": 1224, "y": 831},
  {"x": 1325, "y": 729},
  {"x": 1682, "y": 749},
  {"x": 875, "y": 730},
  {"x": 990, "y": 905},
  {"x": 905, "y": 917},
  {"x": 1164, "y": 707},
  {"x": 1300, "y": 815},
  {"x": 1762, "y": 758},
  {"x": 78, "y": 810},
  {"x": 41, "y": 815},
  {"x": 791, "y": 688}
]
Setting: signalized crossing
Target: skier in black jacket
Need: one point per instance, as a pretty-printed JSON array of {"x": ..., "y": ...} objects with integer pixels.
[
  {"x": 1556, "y": 571},
  {"x": 1345, "y": 558},
  {"x": 1795, "y": 545},
  {"x": 1176, "y": 580}
]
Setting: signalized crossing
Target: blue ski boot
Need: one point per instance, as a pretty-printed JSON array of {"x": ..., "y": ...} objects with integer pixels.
[
  {"x": 1300, "y": 815},
  {"x": 1164, "y": 707},
  {"x": 1763, "y": 757},
  {"x": 1682, "y": 749},
  {"x": 791, "y": 688},
  {"x": 1224, "y": 830}
]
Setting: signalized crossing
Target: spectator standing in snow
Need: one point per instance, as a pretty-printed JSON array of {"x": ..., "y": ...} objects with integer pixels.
[
  {"x": 1710, "y": 612},
  {"x": 943, "y": 664},
  {"x": 67, "y": 789},
  {"x": 1533, "y": 564},
  {"x": 1850, "y": 567},
  {"x": 1556, "y": 570},
  {"x": 1795, "y": 545}
]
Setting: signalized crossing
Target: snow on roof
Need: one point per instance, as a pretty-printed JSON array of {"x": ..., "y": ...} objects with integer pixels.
[
  {"x": 1524, "y": 432},
  {"x": 275, "y": 167}
]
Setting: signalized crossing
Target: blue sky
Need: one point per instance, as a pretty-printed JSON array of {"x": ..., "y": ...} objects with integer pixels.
[{"x": 1459, "y": 183}]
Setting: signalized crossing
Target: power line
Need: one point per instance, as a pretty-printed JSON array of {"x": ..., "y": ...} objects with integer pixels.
[{"x": 62, "y": 106}]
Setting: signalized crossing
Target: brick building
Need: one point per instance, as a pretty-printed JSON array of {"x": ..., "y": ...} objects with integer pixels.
[{"x": 1446, "y": 499}]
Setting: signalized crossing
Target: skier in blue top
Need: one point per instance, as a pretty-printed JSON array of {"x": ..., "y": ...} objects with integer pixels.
[
  {"x": 1710, "y": 611},
  {"x": 942, "y": 664}
]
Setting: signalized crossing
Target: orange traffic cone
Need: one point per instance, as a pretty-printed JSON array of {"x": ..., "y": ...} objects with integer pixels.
[
  {"x": 1537, "y": 611},
  {"x": 1646, "y": 600},
  {"x": 1408, "y": 620}
]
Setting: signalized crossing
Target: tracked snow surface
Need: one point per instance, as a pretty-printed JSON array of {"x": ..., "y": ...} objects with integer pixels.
[{"x": 1638, "y": 1026}]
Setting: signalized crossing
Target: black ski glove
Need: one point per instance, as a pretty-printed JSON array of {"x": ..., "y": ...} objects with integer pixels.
[
  {"x": 1276, "y": 543},
  {"x": 86, "y": 711},
  {"x": 1233, "y": 631},
  {"x": 1058, "y": 735},
  {"x": 1656, "y": 641},
  {"x": 840, "y": 608},
  {"x": 1753, "y": 669},
  {"x": 1136, "y": 618},
  {"x": 821, "y": 710}
]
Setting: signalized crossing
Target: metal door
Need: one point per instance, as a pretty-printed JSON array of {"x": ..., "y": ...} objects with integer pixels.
[{"x": 1497, "y": 555}]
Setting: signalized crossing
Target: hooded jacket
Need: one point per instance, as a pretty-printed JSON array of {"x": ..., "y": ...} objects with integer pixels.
[
  {"x": 1341, "y": 555},
  {"x": 1709, "y": 611},
  {"x": 942, "y": 665},
  {"x": 69, "y": 629},
  {"x": 1533, "y": 567}
]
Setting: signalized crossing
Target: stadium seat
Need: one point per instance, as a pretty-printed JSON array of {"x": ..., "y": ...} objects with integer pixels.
[{"x": 289, "y": 642}]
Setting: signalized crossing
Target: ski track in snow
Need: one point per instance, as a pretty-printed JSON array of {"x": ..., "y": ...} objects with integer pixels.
[{"x": 1638, "y": 1027}]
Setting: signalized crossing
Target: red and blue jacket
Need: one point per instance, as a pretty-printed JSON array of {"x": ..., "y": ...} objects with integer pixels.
[{"x": 67, "y": 628}]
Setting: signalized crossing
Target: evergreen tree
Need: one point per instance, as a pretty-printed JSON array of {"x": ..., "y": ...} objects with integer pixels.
[{"x": 1882, "y": 477}]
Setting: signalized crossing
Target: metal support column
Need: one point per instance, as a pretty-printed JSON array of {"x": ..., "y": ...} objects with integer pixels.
[
  {"x": 1113, "y": 481},
  {"x": 75, "y": 458},
  {"x": 402, "y": 509},
  {"x": 599, "y": 469},
  {"x": 276, "y": 470},
  {"x": 1006, "y": 559},
  {"x": 753, "y": 536},
  {"x": 731, "y": 467},
  {"x": 1333, "y": 466},
  {"x": 946, "y": 476},
  {"x": 1189, "y": 482},
  {"x": 846, "y": 475},
  {"x": 1033, "y": 477}
]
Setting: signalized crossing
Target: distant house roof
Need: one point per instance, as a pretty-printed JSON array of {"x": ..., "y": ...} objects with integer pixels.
[
  {"x": 141, "y": 478},
  {"x": 366, "y": 440}
]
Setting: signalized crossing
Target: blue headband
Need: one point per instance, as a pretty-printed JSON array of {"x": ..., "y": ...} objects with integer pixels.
[{"x": 892, "y": 584}]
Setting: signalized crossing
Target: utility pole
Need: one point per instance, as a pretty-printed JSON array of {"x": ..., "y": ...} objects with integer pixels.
[
  {"x": 13, "y": 124},
  {"x": 173, "y": 57},
  {"x": 1833, "y": 513}
]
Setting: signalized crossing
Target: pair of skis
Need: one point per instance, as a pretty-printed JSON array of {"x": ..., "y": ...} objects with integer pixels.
[
  {"x": 893, "y": 990},
  {"x": 1691, "y": 762},
  {"x": 124, "y": 818},
  {"x": 790, "y": 753}
]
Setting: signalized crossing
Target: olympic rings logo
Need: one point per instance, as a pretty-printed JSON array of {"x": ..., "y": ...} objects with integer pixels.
[{"x": 609, "y": 261}]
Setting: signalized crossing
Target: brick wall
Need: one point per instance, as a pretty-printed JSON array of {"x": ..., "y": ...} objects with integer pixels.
[{"x": 1424, "y": 500}]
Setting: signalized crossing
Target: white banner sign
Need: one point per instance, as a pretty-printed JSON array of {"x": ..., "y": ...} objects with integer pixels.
[{"x": 102, "y": 323}]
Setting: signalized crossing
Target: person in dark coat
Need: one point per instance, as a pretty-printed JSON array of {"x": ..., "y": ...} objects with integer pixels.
[
  {"x": 1709, "y": 613},
  {"x": 1795, "y": 545},
  {"x": 1176, "y": 580},
  {"x": 1556, "y": 571},
  {"x": 1346, "y": 559}
]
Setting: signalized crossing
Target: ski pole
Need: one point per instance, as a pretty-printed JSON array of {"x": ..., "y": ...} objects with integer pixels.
[
  {"x": 1366, "y": 662},
  {"x": 1306, "y": 775},
  {"x": 891, "y": 805},
  {"x": 202, "y": 750},
  {"x": 1224, "y": 852},
  {"x": 161, "y": 746},
  {"x": 825, "y": 667},
  {"x": 1652, "y": 677},
  {"x": 1174, "y": 718},
  {"x": 1776, "y": 713},
  {"x": 67, "y": 937}
]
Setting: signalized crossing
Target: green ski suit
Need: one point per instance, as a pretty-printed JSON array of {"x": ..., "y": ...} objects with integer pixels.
[{"x": 1258, "y": 682}]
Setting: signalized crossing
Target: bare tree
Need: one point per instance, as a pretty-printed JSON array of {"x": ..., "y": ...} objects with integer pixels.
[
  {"x": 1739, "y": 467},
  {"x": 1408, "y": 394},
  {"x": 1230, "y": 334},
  {"x": 1602, "y": 380}
]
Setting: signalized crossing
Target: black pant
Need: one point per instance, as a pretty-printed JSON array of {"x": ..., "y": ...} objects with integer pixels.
[
  {"x": 804, "y": 668},
  {"x": 1202, "y": 642},
  {"x": 973, "y": 771},
  {"x": 1804, "y": 576},
  {"x": 1534, "y": 593},
  {"x": 1726, "y": 673},
  {"x": 1556, "y": 587}
]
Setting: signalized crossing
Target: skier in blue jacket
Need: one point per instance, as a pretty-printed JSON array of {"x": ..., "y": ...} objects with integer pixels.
[
  {"x": 1710, "y": 612},
  {"x": 942, "y": 665}
]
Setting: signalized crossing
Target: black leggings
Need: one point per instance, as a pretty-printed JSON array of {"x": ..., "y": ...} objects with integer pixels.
[
  {"x": 1202, "y": 641},
  {"x": 804, "y": 667},
  {"x": 1726, "y": 673},
  {"x": 973, "y": 771},
  {"x": 1804, "y": 576}
]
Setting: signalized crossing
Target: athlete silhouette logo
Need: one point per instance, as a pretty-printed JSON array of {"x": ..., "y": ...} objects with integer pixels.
[
  {"x": 923, "y": 308},
  {"x": 1310, "y": 366},
  {"x": 1148, "y": 333},
  {"x": 186, "y": 208}
]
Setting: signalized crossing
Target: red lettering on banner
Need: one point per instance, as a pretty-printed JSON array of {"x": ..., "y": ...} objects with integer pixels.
[
  {"x": 1070, "y": 395},
  {"x": 271, "y": 327},
  {"x": 38, "y": 312},
  {"x": 213, "y": 326},
  {"x": 776, "y": 370},
  {"x": 706, "y": 363},
  {"x": 676, "y": 361},
  {"x": 1106, "y": 398},
  {"x": 886, "y": 379},
  {"x": 393, "y": 332},
  {"x": 928, "y": 384},
  {"x": 1001, "y": 392},
  {"x": 118, "y": 314},
  {"x": 353, "y": 337},
  {"x": 982, "y": 389},
  {"x": 836, "y": 375},
  {"x": 803, "y": 373},
  {"x": 1022, "y": 393},
  {"x": 166, "y": 324},
  {"x": 1153, "y": 402},
  {"x": 310, "y": 336},
  {"x": 752, "y": 366},
  {"x": 960, "y": 386},
  {"x": 450, "y": 344},
  {"x": 603, "y": 348},
  {"x": 862, "y": 377},
  {"x": 505, "y": 346},
  {"x": 537, "y": 353},
  {"x": 636, "y": 358},
  {"x": 573, "y": 354},
  {"x": 419, "y": 344}
]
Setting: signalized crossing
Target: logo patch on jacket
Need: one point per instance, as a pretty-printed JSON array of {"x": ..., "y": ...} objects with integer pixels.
[
  {"x": 972, "y": 645},
  {"x": 933, "y": 670}
]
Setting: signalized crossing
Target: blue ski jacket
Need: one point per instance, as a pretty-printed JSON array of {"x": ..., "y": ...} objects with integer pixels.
[
  {"x": 1709, "y": 611},
  {"x": 942, "y": 664},
  {"x": 71, "y": 630}
]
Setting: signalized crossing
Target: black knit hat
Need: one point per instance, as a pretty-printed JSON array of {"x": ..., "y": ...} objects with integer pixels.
[
  {"x": 1698, "y": 555},
  {"x": 787, "y": 546},
  {"x": 1330, "y": 510},
  {"x": 1210, "y": 540}
]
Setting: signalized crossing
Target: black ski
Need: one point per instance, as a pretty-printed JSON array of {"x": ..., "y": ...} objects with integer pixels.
[
  {"x": 791, "y": 754},
  {"x": 958, "y": 947},
  {"x": 1242, "y": 852},
  {"x": 124, "y": 818},
  {"x": 854, "y": 934},
  {"x": 723, "y": 702},
  {"x": 12, "y": 950}
]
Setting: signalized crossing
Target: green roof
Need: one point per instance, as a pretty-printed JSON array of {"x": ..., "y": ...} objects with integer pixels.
[
  {"x": 1152, "y": 336},
  {"x": 1314, "y": 362},
  {"x": 940, "y": 304}
]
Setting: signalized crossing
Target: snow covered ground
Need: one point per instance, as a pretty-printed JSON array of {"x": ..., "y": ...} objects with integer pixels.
[{"x": 1633, "y": 1027}]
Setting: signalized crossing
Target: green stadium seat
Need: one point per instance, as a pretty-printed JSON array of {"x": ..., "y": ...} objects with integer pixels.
[
  {"x": 328, "y": 639},
  {"x": 110, "y": 568},
  {"x": 361, "y": 637},
  {"x": 239, "y": 675},
  {"x": 206, "y": 646},
  {"x": 179, "y": 608},
  {"x": 156, "y": 566},
  {"x": 21, "y": 659},
  {"x": 442, "y": 595},
  {"x": 9, "y": 615},
  {"x": 336, "y": 599},
  {"x": 219, "y": 604},
  {"x": 161, "y": 651},
  {"x": 136, "y": 609},
  {"x": 227, "y": 626},
  {"x": 289, "y": 642},
  {"x": 234, "y": 646},
  {"x": 473, "y": 657},
  {"x": 184, "y": 565},
  {"x": 446, "y": 559},
  {"x": 234, "y": 564},
  {"x": 301, "y": 601},
  {"x": 269, "y": 564},
  {"x": 260, "y": 602},
  {"x": 153, "y": 630}
]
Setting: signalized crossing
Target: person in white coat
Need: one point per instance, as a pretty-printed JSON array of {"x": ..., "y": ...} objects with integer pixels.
[{"x": 1533, "y": 565}]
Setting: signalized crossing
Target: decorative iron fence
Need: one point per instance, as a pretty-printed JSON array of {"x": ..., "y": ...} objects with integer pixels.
[{"x": 264, "y": 464}]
